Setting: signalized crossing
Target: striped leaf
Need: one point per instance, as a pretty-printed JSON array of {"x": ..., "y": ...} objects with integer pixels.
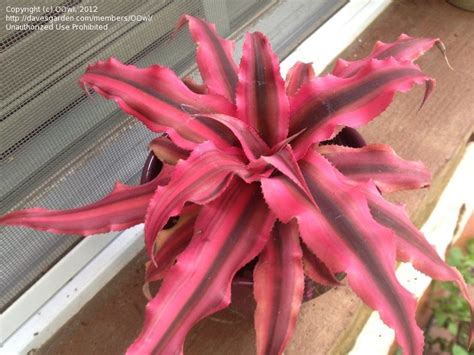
[
  {"x": 261, "y": 98},
  {"x": 413, "y": 247},
  {"x": 229, "y": 233},
  {"x": 123, "y": 208},
  {"x": 377, "y": 162},
  {"x": 340, "y": 230},
  {"x": 365, "y": 250},
  {"x": 214, "y": 57},
  {"x": 405, "y": 48},
  {"x": 328, "y": 102},
  {"x": 159, "y": 99},
  {"x": 278, "y": 288}
]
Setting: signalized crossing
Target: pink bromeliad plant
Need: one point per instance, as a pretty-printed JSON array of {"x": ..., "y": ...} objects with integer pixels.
[{"x": 244, "y": 170}]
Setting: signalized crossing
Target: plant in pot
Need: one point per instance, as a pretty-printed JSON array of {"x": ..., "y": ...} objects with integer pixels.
[{"x": 248, "y": 170}]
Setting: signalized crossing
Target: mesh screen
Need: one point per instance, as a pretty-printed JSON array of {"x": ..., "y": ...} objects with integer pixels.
[{"x": 59, "y": 149}]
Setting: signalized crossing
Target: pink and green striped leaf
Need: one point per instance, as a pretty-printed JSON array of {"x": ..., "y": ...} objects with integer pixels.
[
  {"x": 377, "y": 162},
  {"x": 413, "y": 247},
  {"x": 405, "y": 48},
  {"x": 261, "y": 98},
  {"x": 201, "y": 178},
  {"x": 166, "y": 151},
  {"x": 158, "y": 98},
  {"x": 328, "y": 102},
  {"x": 229, "y": 233},
  {"x": 278, "y": 288},
  {"x": 366, "y": 250},
  {"x": 298, "y": 75},
  {"x": 170, "y": 243},
  {"x": 214, "y": 57},
  {"x": 340, "y": 230},
  {"x": 123, "y": 208}
]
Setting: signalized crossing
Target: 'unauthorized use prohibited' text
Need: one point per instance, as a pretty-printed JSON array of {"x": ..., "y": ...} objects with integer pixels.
[{"x": 64, "y": 18}]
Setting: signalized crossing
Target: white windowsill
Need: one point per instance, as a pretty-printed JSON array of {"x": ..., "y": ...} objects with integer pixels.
[{"x": 73, "y": 281}]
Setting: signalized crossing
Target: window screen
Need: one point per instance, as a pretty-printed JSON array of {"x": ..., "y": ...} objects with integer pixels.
[{"x": 60, "y": 149}]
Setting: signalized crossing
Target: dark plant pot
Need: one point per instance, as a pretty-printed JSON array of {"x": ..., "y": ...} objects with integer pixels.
[{"x": 244, "y": 277}]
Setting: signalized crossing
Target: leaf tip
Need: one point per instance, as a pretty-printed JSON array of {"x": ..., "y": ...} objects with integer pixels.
[
  {"x": 442, "y": 48},
  {"x": 146, "y": 291},
  {"x": 429, "y": 87}
]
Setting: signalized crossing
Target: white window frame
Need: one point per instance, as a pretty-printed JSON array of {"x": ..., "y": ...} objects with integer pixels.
[{"x": 36, "y": 315}]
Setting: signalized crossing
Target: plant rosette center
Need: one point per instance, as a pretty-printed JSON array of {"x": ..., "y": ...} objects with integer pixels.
[{"x": 244, "y": 277}]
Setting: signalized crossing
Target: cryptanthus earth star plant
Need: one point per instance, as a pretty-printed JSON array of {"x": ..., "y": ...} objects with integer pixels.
[{"x": 246, "y": 174}]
